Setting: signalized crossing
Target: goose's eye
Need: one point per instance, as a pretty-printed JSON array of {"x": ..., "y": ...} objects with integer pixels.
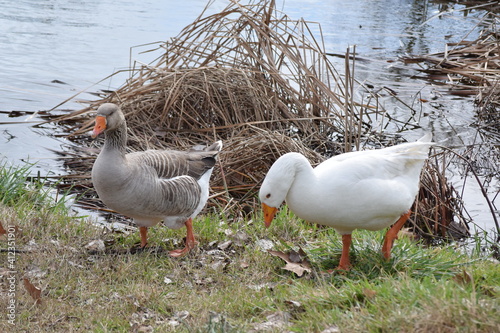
[{"x": 268, "y": 195}]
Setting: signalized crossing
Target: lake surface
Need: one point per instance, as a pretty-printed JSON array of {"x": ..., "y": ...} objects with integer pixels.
[{"x": 50, "y": 50}]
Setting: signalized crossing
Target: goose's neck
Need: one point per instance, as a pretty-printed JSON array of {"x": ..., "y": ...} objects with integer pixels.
[
  {"x": 302, "y": 180},
  {"x": 303, "y": 171},
  {"x": 116, "y": 139},
  {"x": 294, "y": 169}
]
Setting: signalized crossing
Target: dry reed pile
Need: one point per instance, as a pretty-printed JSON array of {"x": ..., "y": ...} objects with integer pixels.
[
  {"x": 439, "y": 212},
  {"x": 248, "y": 75}
]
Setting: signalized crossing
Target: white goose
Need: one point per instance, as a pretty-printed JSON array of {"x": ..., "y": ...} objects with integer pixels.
[
  {"x": 358, "y": 190},
  {"x": 152, "y": 185}
]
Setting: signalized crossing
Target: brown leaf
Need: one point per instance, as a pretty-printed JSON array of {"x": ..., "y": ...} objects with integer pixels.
[
  {"x": 463, "y": 278},
  {"x": 279, "y": 254},
  {"x": 240, "y": 238},
  {"x": 296, "y": 268},
  {"x": 224, "y": 245},
  {"x": 295, "y": 261},
  {"x": 295, "y": 256},
  {"x": 369, "y": 293},
  {"x": 14, "y": 231},
  {"x": 293, "y": 304},
  {"x": 34, "y": 292},
  {"x": 277, "y": 321}
]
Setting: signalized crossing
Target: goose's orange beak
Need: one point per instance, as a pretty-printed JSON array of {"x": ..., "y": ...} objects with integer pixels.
[
  {"x": 100, "y": 126},
  {"x": 269, "y": 213}
]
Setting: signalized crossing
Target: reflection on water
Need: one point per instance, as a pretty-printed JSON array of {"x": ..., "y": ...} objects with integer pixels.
[
  {"x": 76, "y": 42},
  {"x": 81, "y": 42},
  {"x": 52, "y": 49}
]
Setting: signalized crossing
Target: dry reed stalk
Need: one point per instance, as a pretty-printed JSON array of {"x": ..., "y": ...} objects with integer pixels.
[
  {"x": 246, "y": 64},
  {"x": 468, "y": 66},
  {"x": 438, "y": 211},
  {"x": 488, "y": 115}
]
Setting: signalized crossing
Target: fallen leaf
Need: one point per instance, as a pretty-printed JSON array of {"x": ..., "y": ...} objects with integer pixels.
[
  {"x": 240, "y": 238},
  {"x": 140, "y": 328},
  {"x": 173, "y": 323},
  {"x": 267, "y": 285},
  {"x": 182, "y": 315},
  {"x": 369, "y": 293},
  {"x": 218, "y": 265},
  {"x": 14, "y": 231},
  {"x": 224, "y": 245},
  {"x": 297, "y": 256},
  {"x": 295, "y": 307},
  {"x": 279, "y": 254},
  {"x": 463, "y": 278},
  {"x": 296, "y": 262},
  {"x": 34, "y": 292},
  {"x": 204, "y": 281},
  {"x": 293, "y": 303},
  {"x": 277, "y": 321},
  {"x": 298, "y": 269}
]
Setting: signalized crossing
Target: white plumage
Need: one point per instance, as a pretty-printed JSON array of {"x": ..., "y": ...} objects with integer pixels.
[{"x": 358, "y": 190}]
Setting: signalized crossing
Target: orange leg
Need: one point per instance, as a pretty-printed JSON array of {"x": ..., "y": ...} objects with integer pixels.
[
  {"x": 345, "y": 263},
  {"x": 190, "y": 241},
  {"x": 392, "y": 234},
  {"x": 144, "y": 236}
]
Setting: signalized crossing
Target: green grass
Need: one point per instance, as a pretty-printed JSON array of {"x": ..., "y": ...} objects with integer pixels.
[
  {"x": 239, "y": 288},
  {"x": 17, "y": 192}
]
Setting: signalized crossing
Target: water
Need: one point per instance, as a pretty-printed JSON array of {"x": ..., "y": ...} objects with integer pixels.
[{"x": 50, "y": 50}]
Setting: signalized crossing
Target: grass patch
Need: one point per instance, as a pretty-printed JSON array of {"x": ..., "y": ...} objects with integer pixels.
[{"x": 229, "y": 283}]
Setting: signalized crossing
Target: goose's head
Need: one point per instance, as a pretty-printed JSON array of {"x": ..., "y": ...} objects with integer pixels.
[
  {"x": 109, "y": 116},
  {"x": 277, "y": 183}
]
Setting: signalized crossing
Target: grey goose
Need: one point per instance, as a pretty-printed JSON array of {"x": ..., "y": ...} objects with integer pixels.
[{"x": 153, "y": 185}]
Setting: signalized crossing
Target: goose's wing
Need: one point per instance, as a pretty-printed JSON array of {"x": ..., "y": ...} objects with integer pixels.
[
  {"x": 149, "y": 195},
  {"x": 171, "y": 183},
  {"x": 400, "y": 159},
  {"x": 173, "y": 163}
]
